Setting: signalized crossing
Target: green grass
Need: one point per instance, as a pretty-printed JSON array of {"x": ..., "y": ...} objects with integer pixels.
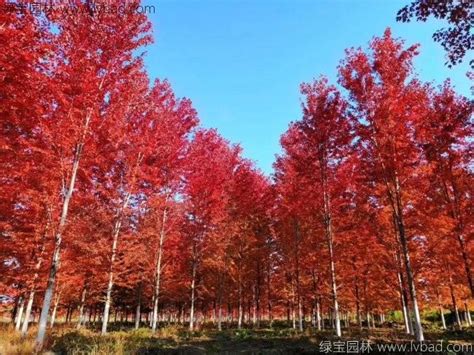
[{"x": 178, "y": 340}]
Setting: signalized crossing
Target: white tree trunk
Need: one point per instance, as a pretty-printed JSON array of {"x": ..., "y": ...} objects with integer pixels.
[
  {"x": 334, "y": 289},
  {"x": 159, "y": 257},
  {"x": 58, "y": 238},
  {"x": 318, "y": 314},
  {"x": 193, "y": 291},
  {"x": 297, "y": 272},
  {"x": 19, "y": 314},
  {"x": 241, "y": 309},
  {"x": 26, "y": 321},
  {"x": 468, "y": 314},
  {"x": 138, "y": 312},
  {"x": 81, "y": 308},
  {"x": 456, "y": 310},
  {"x": 394, "y": 194},
  {"x": 110, "y": 285},
  {"x": 455, "y": 211},
  {"x": 406, "y": 317},
  {"x": 55, "y": 308},
  {"x": 443, "y": 321},
  {"x": 300, "y": 315},
  {"x": 329, "y": 238},
  {"x": 293, "y": 313},
  {"x": 219, "y": 316},
  {"x": 398, "y": 211}
]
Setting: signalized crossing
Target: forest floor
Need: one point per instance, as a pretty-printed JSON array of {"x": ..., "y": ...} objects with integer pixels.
[{"x": 177, "y": 340}]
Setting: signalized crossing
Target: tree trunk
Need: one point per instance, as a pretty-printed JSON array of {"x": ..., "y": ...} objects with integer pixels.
[
  {"x": 403, "y": 300},
  {"x": 183, "y": 313},
  {"x": 467, "y": 266},
  {"x": 318, "y": 314},
  {"x": 468, "y": 314},
  {"x": 89, "y": 315},
  {"x": 241, "y": 308},
  {"x": 293, "y": 313},
  {"x": 409, "y": 329},
  {"x": 269, "y": 296},
  {"x": 68, "y": 310},
  {"x": 220, "y": 287},
  {"x": 193, "y": 296},
  {"x": 455, "y": 306},
  {"x": 58, "y": 237},
  {"x": 81, "y": 308},
  {"x": 254, "y": 305},
  {"x": 257, "y": 296},
  {"x": 455, "y": 212},
  {"x": 288, "y": 311},
  {"x": 300, "y": 315},
  {"x": 334, "y": 288},
  {"x": 443, "y": 321},
  {"x": 39, "y": 262},
  {"x": 441, "y": 311},
  {"x": 55, "y": 309},
  {"x": 70, "y": 313},
  {"x": 15, "y": 309},
  {"x": 393, "y": 190},
  {"x": 329, "y": 239},
  {"x": 317, "y": 310},
  {"x": 322, "y": 316},
  {"x": 406, "y": 258},
  {"x": 219, "y": 314},
  {"x": 110, "y": 284},
  {"x": 358, "y": 316},
  {"x": 159, "y": 257},
  {"x": 115, "y": 235},
  {"x": 26, "y": 321},
  {"x": 297, "y": 274},
  {"x": 19, "y": 313},
  {"x": 249, "y": 311},
  {"x": 138, "y": 312}
]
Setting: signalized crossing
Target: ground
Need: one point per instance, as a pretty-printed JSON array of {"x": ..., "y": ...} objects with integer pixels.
[{"x": 177, "y": 340}]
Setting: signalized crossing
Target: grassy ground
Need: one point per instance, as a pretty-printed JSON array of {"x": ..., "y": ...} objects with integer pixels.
[{"x": 177, "y": 340}]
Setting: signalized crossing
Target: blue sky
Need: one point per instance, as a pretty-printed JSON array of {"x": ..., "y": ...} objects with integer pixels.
[{"x": 241, "y": 61}]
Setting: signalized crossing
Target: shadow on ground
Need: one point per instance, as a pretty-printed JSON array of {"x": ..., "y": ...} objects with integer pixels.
[{"x": 245, "y": 341}]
